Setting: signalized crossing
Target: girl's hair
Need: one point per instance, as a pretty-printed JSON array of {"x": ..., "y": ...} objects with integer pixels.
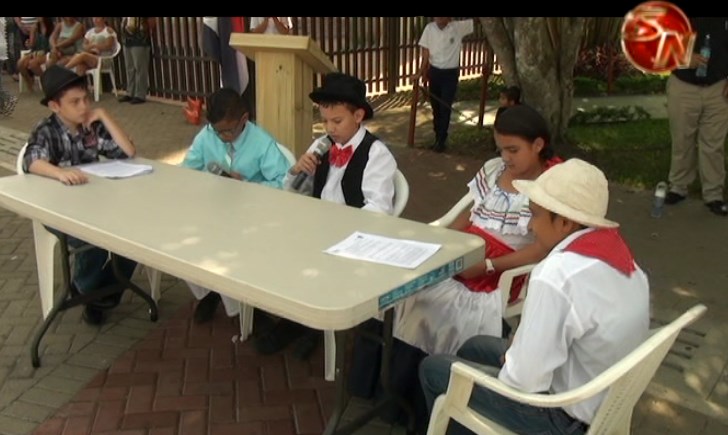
[
  {"x": 525, "y": 122},
  {"x": 512, "y": 93}
]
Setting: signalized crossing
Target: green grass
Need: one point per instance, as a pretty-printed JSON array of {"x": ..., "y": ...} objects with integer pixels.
[{"x": 634, "y": 153}]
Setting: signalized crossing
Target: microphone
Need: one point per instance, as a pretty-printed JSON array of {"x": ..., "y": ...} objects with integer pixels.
[
  {"x": 322, "y": 147},
  {"x": 215, "y": 168}
]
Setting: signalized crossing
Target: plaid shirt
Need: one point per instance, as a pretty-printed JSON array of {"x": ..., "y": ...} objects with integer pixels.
[{"x": 51, "y": 140}]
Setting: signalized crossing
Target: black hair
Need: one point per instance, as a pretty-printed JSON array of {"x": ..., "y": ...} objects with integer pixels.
[
  {"x": 226, "y": 103},
  {"x": 512, "y": 93},
  {"x": 525, "y": 122}
]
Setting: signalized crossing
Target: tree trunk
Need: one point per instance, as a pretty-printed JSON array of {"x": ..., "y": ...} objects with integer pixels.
[{"x": 538, "y": 54}]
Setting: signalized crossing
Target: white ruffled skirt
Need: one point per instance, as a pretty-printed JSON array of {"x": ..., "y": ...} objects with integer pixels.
[
  {"x": 232, "y": 306},
  {"x": 440, "y": 319}
]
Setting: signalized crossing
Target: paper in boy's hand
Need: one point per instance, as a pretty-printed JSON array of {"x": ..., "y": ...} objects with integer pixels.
[{"x": 377, "y": 249}]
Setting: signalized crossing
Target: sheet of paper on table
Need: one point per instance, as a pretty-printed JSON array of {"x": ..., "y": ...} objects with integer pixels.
[
  {"x": 408, "y": 254},
  {"x": 116, "y": 169}
]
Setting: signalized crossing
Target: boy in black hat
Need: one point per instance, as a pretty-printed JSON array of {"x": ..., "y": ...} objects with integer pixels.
[
  {"x": 358, "y": 170},
  {"x": 74, "y": 134}
]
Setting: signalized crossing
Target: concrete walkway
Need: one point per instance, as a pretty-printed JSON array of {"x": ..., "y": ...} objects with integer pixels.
[{"x": 132, "y": 376}]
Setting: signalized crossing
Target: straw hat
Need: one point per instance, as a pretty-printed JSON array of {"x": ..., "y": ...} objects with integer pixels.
[{"x": 574, "y": 189}]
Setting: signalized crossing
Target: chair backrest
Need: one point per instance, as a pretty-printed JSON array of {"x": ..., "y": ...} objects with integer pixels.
[
  {"x": 454, "y": 212},
  {"x": 106, "y": 62},
  {"x": 401, "y": 193},
  {"x": 19, "y": 160},
  {"x": 287, "y": 154},
  {"x": 628, "y": 379},
  {"x": 505, "y": 284}
]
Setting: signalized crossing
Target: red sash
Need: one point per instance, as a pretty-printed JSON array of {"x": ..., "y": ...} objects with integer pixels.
[
  {"x": 606, "y": 245},
  {"x": 494, "y": 247}
]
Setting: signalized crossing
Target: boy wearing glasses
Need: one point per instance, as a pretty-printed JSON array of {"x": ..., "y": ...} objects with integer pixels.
[{"x": 232, "y": 145}]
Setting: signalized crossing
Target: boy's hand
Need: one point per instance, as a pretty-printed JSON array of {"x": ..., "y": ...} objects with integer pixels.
[
  {"x": 72, "y": 176},
  {"x": 307, "y": 163},
  {"x": 96, "y": 114},
  {"x": 237, "y": 176}
]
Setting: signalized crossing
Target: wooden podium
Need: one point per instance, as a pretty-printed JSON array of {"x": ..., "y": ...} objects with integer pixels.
[{"x": 284, "y": 69}]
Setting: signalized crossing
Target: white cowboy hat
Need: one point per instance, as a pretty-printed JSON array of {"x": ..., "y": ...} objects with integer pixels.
[{"x": 574, "y": 189}]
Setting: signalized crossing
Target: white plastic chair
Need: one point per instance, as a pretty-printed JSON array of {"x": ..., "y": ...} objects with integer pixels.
[
  {"x": 105, "y": 66},
  {"x": 625, "y": 382},
  {"x": 45, "y": 248}
]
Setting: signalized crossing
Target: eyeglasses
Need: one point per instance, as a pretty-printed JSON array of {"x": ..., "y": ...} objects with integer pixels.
[{"x": 230, "y": 132}]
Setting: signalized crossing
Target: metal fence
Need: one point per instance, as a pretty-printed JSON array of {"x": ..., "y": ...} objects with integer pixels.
[{"x": 382, "y": 51}]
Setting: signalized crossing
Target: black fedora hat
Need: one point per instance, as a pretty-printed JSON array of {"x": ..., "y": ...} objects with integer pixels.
[
  {"x": 344, "y": 88},
  {"x": 57, "y": 78}
]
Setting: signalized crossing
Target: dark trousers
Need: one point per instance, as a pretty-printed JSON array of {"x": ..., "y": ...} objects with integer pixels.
[
  {"x": 443, "y": 85},
  {"x": 91, "y": 267}
]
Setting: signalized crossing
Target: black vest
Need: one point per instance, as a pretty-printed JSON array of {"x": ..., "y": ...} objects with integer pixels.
[{"x": 353, "y": 174}]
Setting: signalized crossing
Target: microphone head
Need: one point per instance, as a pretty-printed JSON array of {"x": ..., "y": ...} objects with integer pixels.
[
  {"x": 215, "y": 168},
  {"x": 323, "y": 145}
]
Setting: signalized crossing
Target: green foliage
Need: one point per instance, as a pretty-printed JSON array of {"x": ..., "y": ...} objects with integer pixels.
[
  {"x": 640, "y": 84},
  {"x": 632, "y": 153},
  {"x": 607, "y": 114},
  {"x": 589, "y": 87}
]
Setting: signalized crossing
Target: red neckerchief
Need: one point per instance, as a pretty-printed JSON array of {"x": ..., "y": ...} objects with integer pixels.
[
  {"x": 606, "y": 245},
  {"x": 340, "y": 157}
]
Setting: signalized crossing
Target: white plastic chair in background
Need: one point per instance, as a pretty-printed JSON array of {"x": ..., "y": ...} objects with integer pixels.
[
  {"x": 45, "y": 248},
  {"x": 105, "y": 66},
  {"x": 625, "y": 382}
]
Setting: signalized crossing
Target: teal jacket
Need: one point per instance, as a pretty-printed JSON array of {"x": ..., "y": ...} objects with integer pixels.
[{"x": 255, "y": 155}]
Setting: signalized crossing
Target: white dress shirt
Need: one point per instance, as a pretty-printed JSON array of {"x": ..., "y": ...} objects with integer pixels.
[
  {"x": 377, "y": 183},
  {"x": 581, "y": 316},
  {"x": 445, "y": 44}
]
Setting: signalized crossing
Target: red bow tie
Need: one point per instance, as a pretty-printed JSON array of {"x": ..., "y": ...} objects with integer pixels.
[{"x": 340, "y": 156}]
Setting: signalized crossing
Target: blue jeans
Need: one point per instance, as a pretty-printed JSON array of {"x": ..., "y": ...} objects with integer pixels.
[
  {"x": 443, "y": 85},
  {"x": 518, "y": 417},
  {"x": 91, "y": 270}
]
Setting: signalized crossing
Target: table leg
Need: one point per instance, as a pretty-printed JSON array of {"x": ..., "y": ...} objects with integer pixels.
[
  {"x": 64, "y": 302},
  {"x": 389, "y": 396}
]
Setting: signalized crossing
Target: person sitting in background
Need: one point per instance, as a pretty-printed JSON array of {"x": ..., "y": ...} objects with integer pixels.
[
  {"x": 31, "y": 64},
  {"x": 508, "y": 97},
  {"x": 66, "y": 40},
  {"x": 98, "y": 41},
  {"x": 233, "y": 146}
]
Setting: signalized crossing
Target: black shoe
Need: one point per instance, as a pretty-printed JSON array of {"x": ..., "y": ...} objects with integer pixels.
[
  {"x": 124, "y": 99},
  {"x": 718, "y": 207},
  {"x": 673, "y": 198},
  {"x": 205, "y": 310},
  {"x": 136, "y": 100},
  {"x": 93, "y": 316},
  {"x": 107, "y": 302},
  {"x": 283, "y": 334},
  {"x": 306, "y": 345}
]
